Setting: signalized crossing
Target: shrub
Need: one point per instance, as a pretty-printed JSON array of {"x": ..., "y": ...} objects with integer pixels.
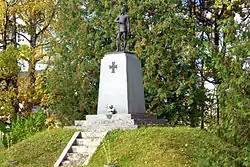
[
  {"x": 227, "y": 156},
  {"x": 24, "y": 127}
]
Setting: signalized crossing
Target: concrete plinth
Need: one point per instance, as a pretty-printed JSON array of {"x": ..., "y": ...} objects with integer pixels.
[{"x": 121, "y": 84}]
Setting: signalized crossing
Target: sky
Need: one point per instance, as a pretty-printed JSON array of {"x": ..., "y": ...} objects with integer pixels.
[{"x": 24, "y": 66}]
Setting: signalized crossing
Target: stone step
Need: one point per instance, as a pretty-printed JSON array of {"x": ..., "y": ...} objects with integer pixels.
[
  {"x": 82, "y": 149},
  {"x": 87, "y": 141},
  {"x": 92, "y": 118},
  {"x": 74, "y": 161},
  {"x": 108, "y": 128},
  {"x": 91, "y": 135},
  {"x": 66, "y": 163},
  {"x": 109, "y": 121},
  {"x": 105, "y": 127},
  {"x": 76, "y": 156}
]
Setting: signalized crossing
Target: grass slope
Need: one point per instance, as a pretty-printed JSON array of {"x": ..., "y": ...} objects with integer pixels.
[
  {"x": 156, "y": 147},
  {"x": 1, "y": 144},
  {"x": 42, "y": 149},
  {"x": 144, "y": 147}
]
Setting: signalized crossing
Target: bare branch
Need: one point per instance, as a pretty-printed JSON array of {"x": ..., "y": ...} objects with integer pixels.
[
  {"x": 244, "y": 19},
  {"x": 206, "y": 79},
  {"x": 40, "y": 21},
  {"x": 222, "y": 11},
  {"x": 45, "y": 27},
  {"x": 209, "y": 39},
  {"x": 12, "y": 4},
  {"x": 43, "y": 44},
  {"x": 23, "y": 36}
]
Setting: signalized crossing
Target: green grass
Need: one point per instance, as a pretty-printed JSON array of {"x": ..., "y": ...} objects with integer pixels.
[
  {"x": 2, "y": 126},
  {"x": 42, "y": 149},
  {"x": 156, "y": 147},
  {"x": 1, "y": 145},
  {"x": 144, "y": 147}
]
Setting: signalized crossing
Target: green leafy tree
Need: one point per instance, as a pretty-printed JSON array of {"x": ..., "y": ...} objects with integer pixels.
[
  {"x": 234, "y": 90},
  {"x": 8, "y": 60},
  {"x": 73, "y": 77},
  {"x": 25, "y": 22},
  {"x": 37, "y": 17},
  {"x": 225, "y": 48},
  {"x": 8, "y": 70},
  {"x": 22, "y": 22}
]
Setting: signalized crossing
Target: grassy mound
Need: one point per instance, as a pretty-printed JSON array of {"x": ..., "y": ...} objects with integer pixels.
[
  {"x": 144, "y": 147},
  {"x": 157, "y": 147},
  {"x": 42, "y": 149},
  {"x": 1, "y": 144}
]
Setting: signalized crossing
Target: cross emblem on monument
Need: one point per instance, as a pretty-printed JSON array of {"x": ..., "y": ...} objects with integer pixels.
[{"x": 113, "y": 67}]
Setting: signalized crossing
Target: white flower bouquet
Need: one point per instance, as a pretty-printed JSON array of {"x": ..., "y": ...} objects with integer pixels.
[{"x": 110, "y": 109}]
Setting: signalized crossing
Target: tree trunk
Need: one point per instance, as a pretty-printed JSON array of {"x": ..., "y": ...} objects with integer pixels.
[
  {"x": 216, "y": 44},
  {"x": 15, "y": 77},
  {"x": 4, "y": 36},
  {"x": 218, "y": 109},
  {"x": 32, "y": 65},
  {"x": 32, "y": 61}
]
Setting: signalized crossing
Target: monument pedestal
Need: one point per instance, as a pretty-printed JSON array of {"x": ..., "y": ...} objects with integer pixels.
[{"x": 121, "y": 84}]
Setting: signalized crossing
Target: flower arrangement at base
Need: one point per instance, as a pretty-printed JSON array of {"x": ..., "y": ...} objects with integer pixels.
[{"x": 110, "y": 109}]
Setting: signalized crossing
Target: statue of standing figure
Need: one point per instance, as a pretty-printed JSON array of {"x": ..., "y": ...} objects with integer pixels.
[{"x": 124, "y": 28}]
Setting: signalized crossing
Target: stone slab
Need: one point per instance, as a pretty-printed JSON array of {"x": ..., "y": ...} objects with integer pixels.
[{"x": 91, "y": 118}]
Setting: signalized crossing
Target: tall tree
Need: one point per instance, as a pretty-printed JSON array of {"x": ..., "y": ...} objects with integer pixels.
[
  {"x": 211, "y": 17},
  {"x": 225, "y": 45},
  {"x": 24, "y": 24},
  {"x": 73, "y": 76},
  {"x": 8, "y": 58},
  {"x": 37, "y": 17}
]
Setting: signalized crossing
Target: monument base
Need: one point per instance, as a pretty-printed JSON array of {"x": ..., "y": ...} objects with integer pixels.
[{"x": 106, "y": 122}]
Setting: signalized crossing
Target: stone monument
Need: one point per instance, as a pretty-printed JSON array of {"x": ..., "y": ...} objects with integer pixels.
[{"x": 121, "y": 84}]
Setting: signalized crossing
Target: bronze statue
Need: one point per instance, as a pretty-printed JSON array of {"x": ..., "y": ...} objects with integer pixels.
[{"x": 124, "y": 28}]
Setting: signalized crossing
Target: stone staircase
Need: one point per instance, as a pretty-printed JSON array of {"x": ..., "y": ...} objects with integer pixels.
[{"x": 80, "y": 148}]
